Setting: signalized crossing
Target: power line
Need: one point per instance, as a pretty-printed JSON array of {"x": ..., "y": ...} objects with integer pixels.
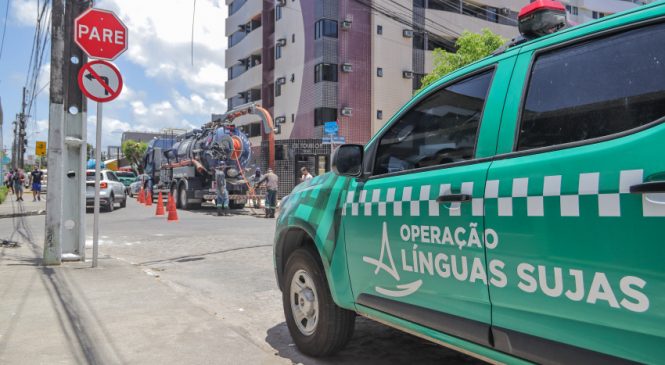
[{"x": 4, "y": 30}]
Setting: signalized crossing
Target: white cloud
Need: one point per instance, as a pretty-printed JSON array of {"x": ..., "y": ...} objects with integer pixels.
[{"x": 24, "y": 12}]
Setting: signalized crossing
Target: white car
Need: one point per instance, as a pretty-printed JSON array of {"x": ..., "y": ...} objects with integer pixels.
[{"x": 112, "y": 191}]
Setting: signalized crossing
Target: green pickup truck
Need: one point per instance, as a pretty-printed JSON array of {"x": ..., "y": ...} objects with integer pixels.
[{"x": 513, "y": 211}]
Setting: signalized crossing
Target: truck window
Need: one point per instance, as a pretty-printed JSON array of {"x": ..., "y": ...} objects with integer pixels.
[
  {"x": 595, "y": 89},
  {"x": 439, "y": 130}
]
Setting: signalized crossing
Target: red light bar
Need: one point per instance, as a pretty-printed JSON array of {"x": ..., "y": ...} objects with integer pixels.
[{"x": 541, "y": 5}]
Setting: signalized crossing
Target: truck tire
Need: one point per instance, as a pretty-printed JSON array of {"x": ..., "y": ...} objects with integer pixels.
[
  {"x": 317, "y": 325},
  {"x": 182, "y": 198}
]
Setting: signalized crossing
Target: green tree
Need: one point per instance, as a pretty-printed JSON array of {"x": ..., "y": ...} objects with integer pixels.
[
  {"x": 470, "y": 48},
  {"x": 134, "y": 151}
]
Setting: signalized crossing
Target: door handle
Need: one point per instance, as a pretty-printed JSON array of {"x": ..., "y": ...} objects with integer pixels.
[
  {"x": 454, "y": 198},
  {"x": 648, "y": 187}
]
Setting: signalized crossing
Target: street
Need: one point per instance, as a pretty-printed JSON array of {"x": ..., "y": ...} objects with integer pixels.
[{"x": 219, "y": 268}]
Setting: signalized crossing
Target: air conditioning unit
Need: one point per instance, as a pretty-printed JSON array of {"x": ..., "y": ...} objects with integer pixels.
[
  {"x": 407, "y": 74},
  {"x": 347, "y": 67},
  {"x": 280, "y": 120},
  {"x": 347, "y": 112},
  {"x": 281, "y": 42},
  {"x": 281, "y": 81},
  {"x": 346, "y": 23},
  {"x": 280, "y": 2},
  {"x": 504, "y": 11},
  {"x": 407, "y": 33}
]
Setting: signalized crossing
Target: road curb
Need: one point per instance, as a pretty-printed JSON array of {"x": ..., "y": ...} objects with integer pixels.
[{"x": 24, "y": 214}]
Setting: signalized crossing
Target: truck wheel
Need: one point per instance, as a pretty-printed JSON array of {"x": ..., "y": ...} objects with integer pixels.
[
  {"x": 318, "y": 326},
  {"x": 123, "y": 203},
  {"x": 182, "y": 198}
]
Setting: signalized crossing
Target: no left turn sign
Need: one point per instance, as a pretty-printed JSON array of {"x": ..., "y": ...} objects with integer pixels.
[{"x": 100, "y": 81}]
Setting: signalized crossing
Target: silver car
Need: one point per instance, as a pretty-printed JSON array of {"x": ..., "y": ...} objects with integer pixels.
[{"x": 111, "y": 190}]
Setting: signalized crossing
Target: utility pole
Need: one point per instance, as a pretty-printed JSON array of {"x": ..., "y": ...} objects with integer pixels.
[
  {"x": 65, "y": 216},
  {"x": 74, "y": 154},
  {"x": 21, "y": 133},
  {"x": 54, "y": 198}
]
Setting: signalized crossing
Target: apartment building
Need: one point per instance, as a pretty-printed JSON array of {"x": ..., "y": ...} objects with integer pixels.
[
  {"x": 351, "y": 61},
  {"x": 582, "y": 11}
]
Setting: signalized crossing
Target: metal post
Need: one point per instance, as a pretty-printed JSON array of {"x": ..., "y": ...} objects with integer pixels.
[
  {"x": 98, "y": 157},
  {"x": 54, "y": 200}
]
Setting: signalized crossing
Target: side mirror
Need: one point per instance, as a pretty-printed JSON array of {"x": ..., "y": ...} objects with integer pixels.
[{"x": 348, "y": 160}]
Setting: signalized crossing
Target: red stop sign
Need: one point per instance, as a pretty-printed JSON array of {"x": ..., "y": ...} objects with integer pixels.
[{"x": 100, "y": 34}]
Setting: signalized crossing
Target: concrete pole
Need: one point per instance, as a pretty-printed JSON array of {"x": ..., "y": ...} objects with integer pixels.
[
  {"x": 54, "y": 198},
  {"x": 98, "y": 164},
  {"x": 73, "y": 155}
]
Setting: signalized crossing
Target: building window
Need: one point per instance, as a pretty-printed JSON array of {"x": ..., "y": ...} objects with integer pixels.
[
  {"x": 379, "y": 72},
  {"x": 278, "y": 52},
  {"x": 379, "y": 29},
  {"x": 379, "y": 114},
  {"x": 325, "y": 72},
  {"x": 278, "y": 12},
  {"x": 594, "y": 14},
  {"x": 322, "y": 115},
  {"x": 293, "y": 118},
  {"x": 569, "y": 8},
  {"x": 278, "y": 89},
  {"x": 293, "y": 38},
  {"x": 325, "y": 28},
  {"x": 575, "y": 10}
]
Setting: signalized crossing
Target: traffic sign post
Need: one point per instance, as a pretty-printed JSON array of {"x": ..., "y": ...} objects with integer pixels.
[
  {"x": 100, "y": 81},
  {"x": 331, "y": 129}
]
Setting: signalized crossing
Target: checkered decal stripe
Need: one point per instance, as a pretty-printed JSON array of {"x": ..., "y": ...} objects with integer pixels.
[{"x": 382, "y": 202}]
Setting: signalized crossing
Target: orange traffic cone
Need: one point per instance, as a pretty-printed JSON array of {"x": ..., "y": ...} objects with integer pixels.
[
  {"x": 173, "y": 212},
  {"x": 160, "y": 205},
  {"x": 169, "y": 203},
  {"x": 148, "y": 198},
  {"x": 140, "y": 196}
]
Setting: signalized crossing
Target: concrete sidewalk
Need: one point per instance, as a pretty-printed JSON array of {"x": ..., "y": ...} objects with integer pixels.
[
  {"x": 114, "y": 314},
  {"x": 11, "y": 208}
]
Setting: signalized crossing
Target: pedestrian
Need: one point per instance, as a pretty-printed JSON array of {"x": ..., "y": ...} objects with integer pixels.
[
  {"x": 18, "y": 178},
  {"x": 271, "y": 181},
  {"x": 305, "y": 175},
  {"x": 8, "y": 181},
  {"x": 222, "y": 199},
  {"x": 36, "y": 178}
]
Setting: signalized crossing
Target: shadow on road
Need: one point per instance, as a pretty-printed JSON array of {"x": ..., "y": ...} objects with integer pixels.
[{"x": 372, "y": 343}]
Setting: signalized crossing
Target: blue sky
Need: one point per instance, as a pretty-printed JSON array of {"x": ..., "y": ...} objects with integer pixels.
[{"x": 162, "y": 87}]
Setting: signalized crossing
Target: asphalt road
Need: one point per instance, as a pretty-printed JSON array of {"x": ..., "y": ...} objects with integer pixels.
[{"x": 223, "y": 265}]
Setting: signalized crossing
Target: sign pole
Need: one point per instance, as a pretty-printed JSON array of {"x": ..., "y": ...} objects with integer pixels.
[{"x": 98, "y": 156}]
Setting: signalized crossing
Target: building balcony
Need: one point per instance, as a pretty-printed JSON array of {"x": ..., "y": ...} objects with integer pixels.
[
  {"x": 248, "y": 11},
  {"x": 459, "y": 22},
  {"x": 251, "y": 79},
  {"x": 251, "y": 44}
]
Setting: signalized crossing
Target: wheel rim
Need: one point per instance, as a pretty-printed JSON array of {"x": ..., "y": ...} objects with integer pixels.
[{"x": 304, "y": 302}]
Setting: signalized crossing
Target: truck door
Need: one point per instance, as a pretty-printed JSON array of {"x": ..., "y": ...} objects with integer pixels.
[
  {"x": 580, "y": 234},
  {"x": 414, "y": 231}
]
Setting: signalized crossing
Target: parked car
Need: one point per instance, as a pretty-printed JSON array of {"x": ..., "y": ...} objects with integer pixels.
[
  {"x": 513, "y": 210},
  {"x": 135, "y": 187},
  {"x": 112, "y": 191},
  {"x": 126, "y": 178}
]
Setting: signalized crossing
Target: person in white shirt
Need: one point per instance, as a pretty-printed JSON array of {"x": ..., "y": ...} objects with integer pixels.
[{"x": 305, "y": 175}]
